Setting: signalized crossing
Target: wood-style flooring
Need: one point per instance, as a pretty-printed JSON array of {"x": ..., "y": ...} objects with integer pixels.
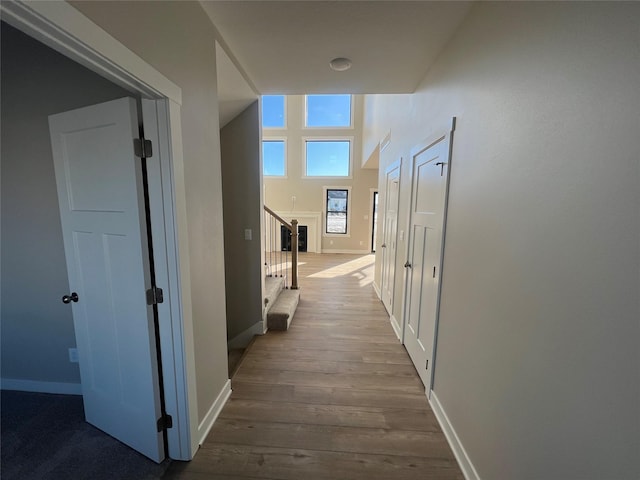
[{"x": 335, "y": 397}]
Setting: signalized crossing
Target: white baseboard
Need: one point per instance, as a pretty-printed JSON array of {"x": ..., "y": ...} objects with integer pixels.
[
  {"x": 40, "y": 387},
  {"x": 352, "y": 252},
  {"x": 243, "y": 339},
  {"x": 376, "y": 289},
  {"x": 214, "y": 411},
  {"x": 464, "y": 461},
  {"x": 396, "y": 327}
]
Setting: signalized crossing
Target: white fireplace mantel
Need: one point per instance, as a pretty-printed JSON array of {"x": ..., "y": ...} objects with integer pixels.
[{"x": 314, "y": 227}]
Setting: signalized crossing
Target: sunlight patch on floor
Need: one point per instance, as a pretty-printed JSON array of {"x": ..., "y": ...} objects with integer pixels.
[
  {"x": 283, "y": 266},
  {"x": 360, "y": 267}
]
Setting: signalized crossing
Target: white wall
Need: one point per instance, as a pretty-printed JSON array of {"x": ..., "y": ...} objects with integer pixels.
[
  {"x": 178, "y": 40},
  {"x": 37, "y": 328},
  {"x": 308, "y": 191},
  {"x": 537, "y": 362}
]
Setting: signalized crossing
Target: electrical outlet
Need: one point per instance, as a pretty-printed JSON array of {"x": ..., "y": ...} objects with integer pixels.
[
  {"x": 248, "y": 234},
  {"x": 73, "y": 355},
  {"x": 361, "y": 242},
  {"x": 330, "y": 242}
]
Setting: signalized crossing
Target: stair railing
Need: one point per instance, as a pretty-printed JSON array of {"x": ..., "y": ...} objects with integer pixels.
[{"x": 276, "y": 265}]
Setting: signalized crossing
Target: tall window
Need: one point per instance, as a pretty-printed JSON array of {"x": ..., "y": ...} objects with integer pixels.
[
  {"x": 273, "y": 111},
  {"x": 328, "y": 111},
  {"x": 274, "y": 159},
  {"x": 327, "y": 158},
  {"x": 337, "y": 203}
]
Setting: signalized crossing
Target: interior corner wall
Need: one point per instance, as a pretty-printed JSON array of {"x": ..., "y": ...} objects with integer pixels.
[
  {"x": 537, "y": 362},
  {"x": 37, "y": 328},
  {"x": 178, "y": 40},
  {"x": 240, "y": 146}
]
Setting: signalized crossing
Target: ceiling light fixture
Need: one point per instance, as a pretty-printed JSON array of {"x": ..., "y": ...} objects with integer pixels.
[{"x": 340, "y": 64}]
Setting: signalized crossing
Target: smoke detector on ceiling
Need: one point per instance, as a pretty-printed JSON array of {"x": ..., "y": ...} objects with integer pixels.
[{"x": 340, "y": 64}]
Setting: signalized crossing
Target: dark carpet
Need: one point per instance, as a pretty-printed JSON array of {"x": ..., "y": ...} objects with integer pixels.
[{"x": 45, "y": 437}]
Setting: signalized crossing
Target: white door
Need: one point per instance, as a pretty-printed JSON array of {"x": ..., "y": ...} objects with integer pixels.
[
  {"x": 430, "y": 172},
  {"x": 102, "y": 210},
  {"x": 389, "y": 234}
]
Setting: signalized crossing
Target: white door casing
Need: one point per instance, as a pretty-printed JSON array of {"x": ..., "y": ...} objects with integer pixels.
[
  {"x": 101, "y": 202},
  {"x": 430, "y": 173},
  {"x": 389, "y": 234}
]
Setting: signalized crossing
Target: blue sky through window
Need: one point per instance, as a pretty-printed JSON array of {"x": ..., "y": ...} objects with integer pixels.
[
  {"x": 273, "y": 111},
  {"x": 328, "y": 158},
  {"x": 273, "y": 158},
  {"x": 328, "y": 110}
]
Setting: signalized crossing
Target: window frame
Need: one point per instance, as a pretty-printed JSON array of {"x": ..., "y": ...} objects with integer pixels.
[
  {"x": 325, "y": 212},
  {"x": 286, "y": 117},
  {"x": 305, "y": 115},
  {"x": 315, "y": 138},
  {"x": 274, "y": 139}
]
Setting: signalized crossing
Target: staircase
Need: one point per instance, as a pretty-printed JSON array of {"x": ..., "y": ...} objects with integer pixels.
[{"x": 282, "y": 292}]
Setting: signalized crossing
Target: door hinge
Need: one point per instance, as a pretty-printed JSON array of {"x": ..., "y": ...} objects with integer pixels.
[
  {"x": 142, "y": 148},
  {"x": 154, "y": 296},
  {"x": 165, "y": 422}
]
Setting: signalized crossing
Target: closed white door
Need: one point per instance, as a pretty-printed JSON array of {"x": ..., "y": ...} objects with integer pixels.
[
  {"x": 389, "y": 235},
  {"x": 99, "y": 182},
  {"x": 430, "y": 170}
]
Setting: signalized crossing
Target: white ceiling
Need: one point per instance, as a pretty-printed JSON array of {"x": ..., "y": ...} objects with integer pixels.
[{"x": 285, "y": 46}]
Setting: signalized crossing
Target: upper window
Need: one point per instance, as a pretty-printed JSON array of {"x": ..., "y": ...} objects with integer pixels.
[
  {"x": 328, "y": 111},
  {"x": 273, "y": 111},
  {"x": 327, "y": 158},
  {"x": 274, "y": 158}
]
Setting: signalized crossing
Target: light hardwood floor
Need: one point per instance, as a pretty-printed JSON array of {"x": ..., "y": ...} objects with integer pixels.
[{"x": 335, "y": 397}]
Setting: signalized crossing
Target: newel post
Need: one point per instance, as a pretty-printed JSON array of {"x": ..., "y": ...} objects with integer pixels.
[{"x": 294, "y": 254}]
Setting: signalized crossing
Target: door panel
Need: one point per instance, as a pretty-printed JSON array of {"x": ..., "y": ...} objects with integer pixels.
[
  {"x": 428, "y": 193},
  {"x": 418, "y": 242},
  {"x": 102, "y": 211},
  {"x": 429, "y": 167}
]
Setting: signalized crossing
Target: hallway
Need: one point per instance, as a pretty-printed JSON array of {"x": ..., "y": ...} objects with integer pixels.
[{"x": 335, "y": 397}]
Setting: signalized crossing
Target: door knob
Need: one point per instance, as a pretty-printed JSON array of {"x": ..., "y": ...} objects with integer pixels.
[
  {"x": 407, "y": 265},
  {"x": 384, "y": 245},
  {"x": 70, "y": 298}
]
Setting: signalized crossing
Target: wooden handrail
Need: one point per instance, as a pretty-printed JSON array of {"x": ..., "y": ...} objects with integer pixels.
[
  {"x": 279, "y": 218},
  {"x": 293, "y": 228},
  {"x": 294, "y": 254}
]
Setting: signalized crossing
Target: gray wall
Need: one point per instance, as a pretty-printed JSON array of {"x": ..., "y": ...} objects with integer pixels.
[
  {"x": 240, "y": 144},
  {"x": 37, "y": 328},
  {"x": 537, "y": 363}
]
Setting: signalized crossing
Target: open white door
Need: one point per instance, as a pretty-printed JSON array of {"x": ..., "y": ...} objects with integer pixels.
[
  {"x": 430, "y": 162},
  {"x": 99, "y": 182}
]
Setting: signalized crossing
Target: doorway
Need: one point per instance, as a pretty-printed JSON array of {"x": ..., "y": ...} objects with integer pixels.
[
  {"x": 430, "y": 162},
  {"x": 77, "y": 42},
  {"x": 389, "y": 234}
]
